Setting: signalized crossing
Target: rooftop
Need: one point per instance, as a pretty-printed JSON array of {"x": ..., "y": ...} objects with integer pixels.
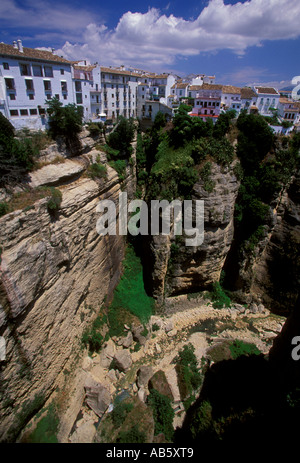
[
  {"x": 247, "y": 93},
  {"x": 30, "y": 53},
  {"x": 266, "y": 90}
]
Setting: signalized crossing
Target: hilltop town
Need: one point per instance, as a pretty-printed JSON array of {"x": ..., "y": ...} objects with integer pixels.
[{"x": 29, "y": 77}]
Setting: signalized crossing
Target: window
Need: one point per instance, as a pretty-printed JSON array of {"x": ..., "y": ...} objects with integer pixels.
[
  {"x": 64, "y": 87},
  {"x": 112, "y": 95},
  {"x": 14, "y": 112},
  {"x": 77, "y": 86},
  {"x": 65, "y": 96},
  {"x": 47, "y": 85},
  {"x": 48, "y": 96},
  {"x": 79, "y": 98},
  {"x": 57, "y": 96},
  {"x": 62, "y": 71},
  {"x": 33, "y": 112},
  {"x": 31, "y": 96},
  {"x": 48, "y": 71},
  {"x": 12, "y": 96},
  {"x": 29, "y": 84},
  {"x": 25, "y": 69},
  {"x": 37, "y": 70},
  {"x": 24, "y": 112},
  {"x": 10, "y": 83},
  {"x": 5, "y": 66},
  {"x": 96, "y": 87},
  {"x": 42, "y": 111}
]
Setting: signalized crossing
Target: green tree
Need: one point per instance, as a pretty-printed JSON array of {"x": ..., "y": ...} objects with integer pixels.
[
  {"x": 66, "y": 122},
  {"x": 120, "y": 139}
]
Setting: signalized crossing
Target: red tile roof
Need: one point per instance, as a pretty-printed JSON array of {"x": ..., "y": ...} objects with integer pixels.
[{"x": 31, "y": 53}]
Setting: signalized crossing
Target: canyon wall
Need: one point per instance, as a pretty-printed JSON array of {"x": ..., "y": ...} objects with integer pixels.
[
  {"x": 180, "y": 269},
  {"x": 56, "y": 271}
]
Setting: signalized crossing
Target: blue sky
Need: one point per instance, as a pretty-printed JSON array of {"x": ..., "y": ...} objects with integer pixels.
[{"x": 246, "y": 42}]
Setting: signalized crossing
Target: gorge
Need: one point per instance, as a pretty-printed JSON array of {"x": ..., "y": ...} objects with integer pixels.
[{"x": 59, "y": 276}]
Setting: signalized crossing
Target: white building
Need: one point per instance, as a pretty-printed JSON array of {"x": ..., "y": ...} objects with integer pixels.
[
  {"x": 119, "y": 92},
  {"x": 87, "y": 89},
  {"x": 29, "y": 77},
  {"x": 289, "y": 110},
  {"x": 207, "y": 103},
  {"x": 231, "y": 98},
  {"x": 248, "y": 99},
  {"x": 267, "y": 99}
]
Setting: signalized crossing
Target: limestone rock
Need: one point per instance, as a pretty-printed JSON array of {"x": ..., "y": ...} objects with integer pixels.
[
  {"x": 127, "y": 341},
  {"x": 87, "y": 363},
  {"x": 142, "y": 394},
  {"x": 112, "y": 375},
  {"x": 143, "y": 375},
  {"x": 159, "y": 382},
  {"x": 97, "y": 396},
  {"x": 123, "y": 360},
  {"x": 137, "y": 331},
  {"x": 56, "y": 173},
  {"x": 84, "y": 434},
  {"x": 2, "y": 349}
]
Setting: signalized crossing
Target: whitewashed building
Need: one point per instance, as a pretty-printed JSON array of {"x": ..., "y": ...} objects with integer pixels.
[
  {"x": 119, "y": 92},
  {"x": 207, "y": 103},
  {"x": 267, "y": 99},
  {"x": 231, "y": 98},
  {"x": 87, "y": 89},
  {"x": 28, "y": 78}
]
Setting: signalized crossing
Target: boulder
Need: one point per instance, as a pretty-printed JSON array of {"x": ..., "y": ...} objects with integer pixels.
[
  {"x": 112, "y": 375},
  {"x": 137, "y": 331},
  {"x": 127, "y": 341},
  {"x": 87, "y": 363},
  {"x": 159, "y": 382},
  {"x": 97, "y": 396},
  {"x": 2, "y": 349},
  {"x": 143, "y": 375},
  {"x": 123, "y": 360},
  {"x": 84, "y": 434}
]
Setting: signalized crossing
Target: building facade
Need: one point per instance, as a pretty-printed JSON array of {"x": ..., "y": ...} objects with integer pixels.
[{"x": 28, "y": 78}]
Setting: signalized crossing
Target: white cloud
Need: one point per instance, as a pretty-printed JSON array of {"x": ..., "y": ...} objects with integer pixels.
[{"x": 155, "y": 38}]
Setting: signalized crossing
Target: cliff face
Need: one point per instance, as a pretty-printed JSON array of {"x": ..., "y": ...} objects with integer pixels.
[
  {"x": 271, "y": 274},
  {"x": 55, "y": 273},
  {"x": 178, "y": 268}
]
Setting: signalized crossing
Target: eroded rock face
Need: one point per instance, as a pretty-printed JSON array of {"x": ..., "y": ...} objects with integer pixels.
[
  {"x": 178, "y": 268},
  {"x": 274, "y": 269},
  {"x": 53, "y": 271}
]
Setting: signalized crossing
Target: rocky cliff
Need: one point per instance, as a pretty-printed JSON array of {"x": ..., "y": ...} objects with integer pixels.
[
  {"x": 180, "y": 269},
  {"x": 55, "y": 273}
]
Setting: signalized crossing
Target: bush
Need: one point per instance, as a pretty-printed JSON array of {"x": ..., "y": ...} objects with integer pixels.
[
  {"x": 188, "y": 373},
  {"x": 133, "y": 436},
  {"x": 46, "y": 429},
  {"x": 238, "y": 348},
  {"x": 120, "y": 412},
  {"x": 205, "y": 174},
  {"x": 55, "y": 200},
  {"x": 120, "y": 139},
  {"x": 120, "y": 166},
  {"x": 219, "y": 297},
  {"x": 163, "y": 413},
  {"x": 95, "y": 129},
  {"x": 97, "y": 170},
  {"x": 3, "y": 208}
]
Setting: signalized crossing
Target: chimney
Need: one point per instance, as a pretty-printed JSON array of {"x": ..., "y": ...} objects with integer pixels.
[
  {"x": 20, "y": 46},
  {"x": 15, "y": 44}
]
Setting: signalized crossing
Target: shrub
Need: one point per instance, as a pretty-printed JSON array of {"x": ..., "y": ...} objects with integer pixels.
[
  {"x": 46, "y": 428},
  {"x": 97, "y": 170},
  {"x": 120, "y": 139},
  {"x": 205, "y": 174},
  {"x": 3, "y": 208},
  {"x": 188, "y": 373},
  {"x": 95, "y": 129},
  {"x": 55, "y": 200},
  {"x": 120, "y": 412},
  {"x": 163, "y": 413},
  {"x": 133, "y": 436},
  {"x": 219, "y": 297},
  {"x": 120, "y": 166},
  {"x": 238, "y": 348}
]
